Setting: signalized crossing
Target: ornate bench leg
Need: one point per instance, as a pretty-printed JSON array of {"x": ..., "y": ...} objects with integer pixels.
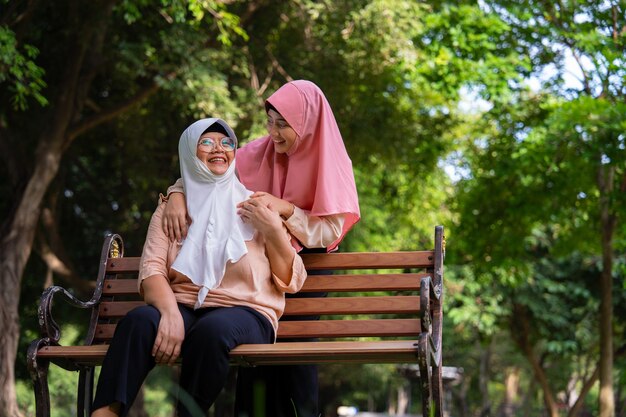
[
  {"x": 85, "y": 392},
  {"x": 423, "y": 359},
  {"x": 437, "y": 391},
  {"x": 39, "y": 374}
]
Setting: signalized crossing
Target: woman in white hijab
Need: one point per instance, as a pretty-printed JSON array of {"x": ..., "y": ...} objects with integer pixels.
[{"x": 224, "y": 286}]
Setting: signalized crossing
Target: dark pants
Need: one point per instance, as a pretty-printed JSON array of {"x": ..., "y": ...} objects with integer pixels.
[
  {"x": 282, "y": 390},
  {"x": 210, "y": 334}
]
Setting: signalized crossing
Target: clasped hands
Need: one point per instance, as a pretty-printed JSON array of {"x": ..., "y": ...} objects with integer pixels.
[{"x": 264, "y": 211}]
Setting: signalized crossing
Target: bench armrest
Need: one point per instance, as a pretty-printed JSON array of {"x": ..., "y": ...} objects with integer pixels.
[
  {"x": 113, "y": 247},
  {"x": 48, "y": 327}
]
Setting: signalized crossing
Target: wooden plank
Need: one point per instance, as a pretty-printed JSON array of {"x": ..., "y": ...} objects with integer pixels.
[
  {"x": 73, "y": 352},
  {"x": 278, "y": 353},
  {"x": 117, "y": 309},
  {"x": 306, "y": 306},
  {"x": 104, "y": 332},
  {"x": 326, "y": 352},
  {"x": 369, "y": 260},
  {"x": 321, "y": 329},
  {"x": 314, "y": 283},
  {"x": 363, "y": 282},
  {"x": 123, "y": 265},
  {"x": 318, "y": 261},
  {"x": 113, "y": 287},
  {"x": 349, "y": 328},
  {"x": 353, "y": 305}
]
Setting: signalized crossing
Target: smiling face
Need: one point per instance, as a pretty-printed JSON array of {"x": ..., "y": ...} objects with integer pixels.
[
  {"x": 216, "y": 158},
  {"x": 280, "y": 131}
]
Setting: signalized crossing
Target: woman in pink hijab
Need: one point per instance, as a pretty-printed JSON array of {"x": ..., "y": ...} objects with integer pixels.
[{"x": 302, "y": 171}]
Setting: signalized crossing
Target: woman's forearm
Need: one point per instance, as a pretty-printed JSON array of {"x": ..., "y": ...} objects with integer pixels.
[
  {"x": 280, "y": 254},
  {"x": 158, "y": 293}
]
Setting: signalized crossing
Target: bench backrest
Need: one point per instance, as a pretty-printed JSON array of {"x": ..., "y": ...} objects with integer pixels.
[{"x": 369, "y": 294}]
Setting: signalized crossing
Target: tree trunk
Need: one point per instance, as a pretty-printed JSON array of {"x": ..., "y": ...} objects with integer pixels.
[
  {"x": 16, "y": 246},
  {"x": 404, "y": 396},
  {"x": 527, "y": 409},
  {"x": 19, "y": 228},
  {"x": 9, "y": 326},
  {"x": 608, "y": 222},
  {"x": 511, "y": 384},
  {"x": 580, "y": 401},
  {"x": 521, "y": 330}
]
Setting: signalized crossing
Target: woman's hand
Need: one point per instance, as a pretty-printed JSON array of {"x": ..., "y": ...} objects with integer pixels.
[
  {"x": 169, "y": 339},
  {"x": 283, "y": 207},
  {"x": 257, "y": 213},
  {"x": 277, "y": 244},
  {"x": 176, "y": 220}
]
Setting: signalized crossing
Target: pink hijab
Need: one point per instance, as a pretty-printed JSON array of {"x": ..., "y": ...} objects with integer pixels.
[{"x": 316, "y": 174}]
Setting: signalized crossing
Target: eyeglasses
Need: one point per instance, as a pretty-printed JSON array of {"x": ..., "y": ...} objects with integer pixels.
[{"x": 208, "y": 144}]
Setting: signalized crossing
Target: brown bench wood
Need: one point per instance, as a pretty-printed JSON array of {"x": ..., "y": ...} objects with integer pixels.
[{"x": 393, "y": 297}]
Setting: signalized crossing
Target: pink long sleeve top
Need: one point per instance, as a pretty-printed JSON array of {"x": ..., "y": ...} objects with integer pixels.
[{"x": 249, "y": 282}]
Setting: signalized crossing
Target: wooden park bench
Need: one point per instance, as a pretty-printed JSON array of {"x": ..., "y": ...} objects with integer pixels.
[{"x": 382, "y": 307}]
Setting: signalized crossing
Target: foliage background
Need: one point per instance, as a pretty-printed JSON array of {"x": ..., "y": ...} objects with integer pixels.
[{"x": 462, "y": 113}]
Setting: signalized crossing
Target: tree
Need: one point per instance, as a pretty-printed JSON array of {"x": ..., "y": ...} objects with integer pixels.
[
  {"x": 548, "y": 165},
  {"x": 594, "y": 37},
  {"x": 85, "y": 63},
  {"x": 577, "y": 152}
]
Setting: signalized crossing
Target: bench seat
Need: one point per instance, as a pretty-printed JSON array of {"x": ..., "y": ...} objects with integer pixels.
[{"x": 286, "y": 353}]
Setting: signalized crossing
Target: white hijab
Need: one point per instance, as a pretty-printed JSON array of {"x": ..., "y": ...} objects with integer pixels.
[{"x": 217, "y": 234}]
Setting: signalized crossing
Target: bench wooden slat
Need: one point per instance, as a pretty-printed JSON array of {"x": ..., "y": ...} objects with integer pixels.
[
  {"x": 363, "y": 282},
  {"x": 113, "y": 287},
  {"x": 352, "y": 305},
  {"x": 326, "y": 352},
  {"x": 319, "y": 261},
  {"x": 321, "y": 329},
  {"x": 116, "y": 309},
  {"x": 307, "y": 306},
  {"x": 369, "y": 260},
  {"x": 349, "y": 328},
  {"x": 124, "y": 265},
  {"x": 314, "y": 283},
  {"x": 270, "y": 354},
  {"x": 92, "y": 354}
]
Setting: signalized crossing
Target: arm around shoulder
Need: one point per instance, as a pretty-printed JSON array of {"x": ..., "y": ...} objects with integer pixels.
[{"x": 176, "y": 221}]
